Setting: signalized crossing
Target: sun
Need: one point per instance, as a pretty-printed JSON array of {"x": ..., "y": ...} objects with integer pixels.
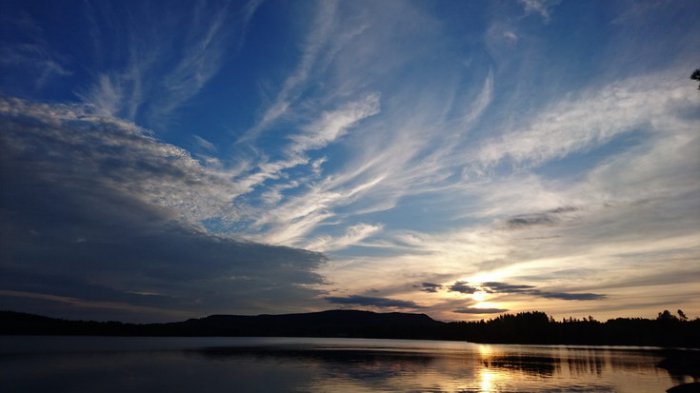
[{"x": 479, "y": 296}]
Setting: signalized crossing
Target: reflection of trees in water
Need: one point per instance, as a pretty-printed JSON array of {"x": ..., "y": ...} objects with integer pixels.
[
  {"x": 577, "y": 362},
  {"x": 535, "y": 365},
  {"x": 683, "y": 366},
  {"x": 630, "y": 360},
  {"x": 580, "y": 366},
  {"x": 586, "y": 362},
  {"x": 546, "y": 363}
]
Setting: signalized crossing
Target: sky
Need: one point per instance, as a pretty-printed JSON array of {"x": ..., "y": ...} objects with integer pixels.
[{"x": 168, "y": 160}]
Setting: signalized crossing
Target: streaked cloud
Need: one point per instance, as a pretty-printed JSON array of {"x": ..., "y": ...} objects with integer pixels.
[
  {"x": 472, "y": 310},
  {"x": 430, "y": 287},
  {"x": 463, "y": 287},
  {"x": 352, "y": 236},
  {"x": 593, "y": 119},
  {"x": 333, "y": 125},
  {"x": 358, "y": 300},
  {"x": 504, "y": 288},
  {"x": 31, "y": 51},
  {"x": 541, "y": 7},
  {"x": 147, "y": 87},
  {"x": 499, "y": 287},
  {"x": 315, "y": 41}
]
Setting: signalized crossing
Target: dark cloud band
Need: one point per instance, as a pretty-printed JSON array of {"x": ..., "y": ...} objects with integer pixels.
[
  {"x": 505, "y": 288},
  {"x": 86, "y": 216},
  {"x": 430, "y": 287},
  {"x": 472, "y": 310},
  {"x": 372, "y": 301}
]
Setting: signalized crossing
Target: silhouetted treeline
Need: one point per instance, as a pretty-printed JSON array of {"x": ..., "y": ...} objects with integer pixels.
[
  {"x": 526, "y": 328},
  {"x": 538, "y": 328}
]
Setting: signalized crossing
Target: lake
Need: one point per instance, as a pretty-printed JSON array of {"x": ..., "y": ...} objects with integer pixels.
[{"x": 235, "y": 364}]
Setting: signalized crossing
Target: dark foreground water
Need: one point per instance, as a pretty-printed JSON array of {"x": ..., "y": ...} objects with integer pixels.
[{"x": 128, "y": 364}]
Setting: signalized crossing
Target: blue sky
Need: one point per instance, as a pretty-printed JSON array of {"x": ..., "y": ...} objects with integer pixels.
[{"x": 461, "y": 159}]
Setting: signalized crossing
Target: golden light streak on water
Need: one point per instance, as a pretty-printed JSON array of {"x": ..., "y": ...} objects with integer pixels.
[{"x": 486, "y": 381}]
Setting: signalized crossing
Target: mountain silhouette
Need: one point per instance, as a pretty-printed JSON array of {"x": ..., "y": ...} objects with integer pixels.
[{"x": 526, "y": 327}]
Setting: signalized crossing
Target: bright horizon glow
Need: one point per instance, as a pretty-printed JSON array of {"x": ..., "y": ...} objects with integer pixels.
[{"x": 479, "y": 297}]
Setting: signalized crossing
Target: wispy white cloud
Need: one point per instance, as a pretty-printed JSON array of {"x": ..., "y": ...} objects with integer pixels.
[
  {"x": 204, "y": 144},
  {"x": 31, "y": 52},
  {"x": 146, "y": 86},
  {"x": 316, "y": 40},
  {"x": 290, "y": 220},
  {"x": 541, "y": 7},
  {"x": 334, "y": 124},
  {"x": 352, "y": 236},
  {"x": 202, "y": 54},
  {"x": 479, "y": 104},
  {"x": 104, "y": 96},
  {"x": 632, "y": 105},
  {"x": 409, "y": 161}
]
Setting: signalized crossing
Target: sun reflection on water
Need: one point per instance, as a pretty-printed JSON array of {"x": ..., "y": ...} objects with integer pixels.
[
  {"x": 486, "y": 351},
  {"x": 487, "y": 377},
  {"x": 486, "y": 381}
]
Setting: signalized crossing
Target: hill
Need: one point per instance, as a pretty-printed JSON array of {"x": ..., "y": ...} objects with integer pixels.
[
  {"x": 526, "y": 327},
  {"x": 332, "y": 323}
]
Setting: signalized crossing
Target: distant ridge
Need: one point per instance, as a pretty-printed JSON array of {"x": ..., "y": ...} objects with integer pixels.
[
  {"x": 526, "y": 327},
  {"x": 331, "y": 323}
]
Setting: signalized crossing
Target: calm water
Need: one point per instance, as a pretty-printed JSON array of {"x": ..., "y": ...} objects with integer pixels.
[{"x": 115, "y": 364}]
